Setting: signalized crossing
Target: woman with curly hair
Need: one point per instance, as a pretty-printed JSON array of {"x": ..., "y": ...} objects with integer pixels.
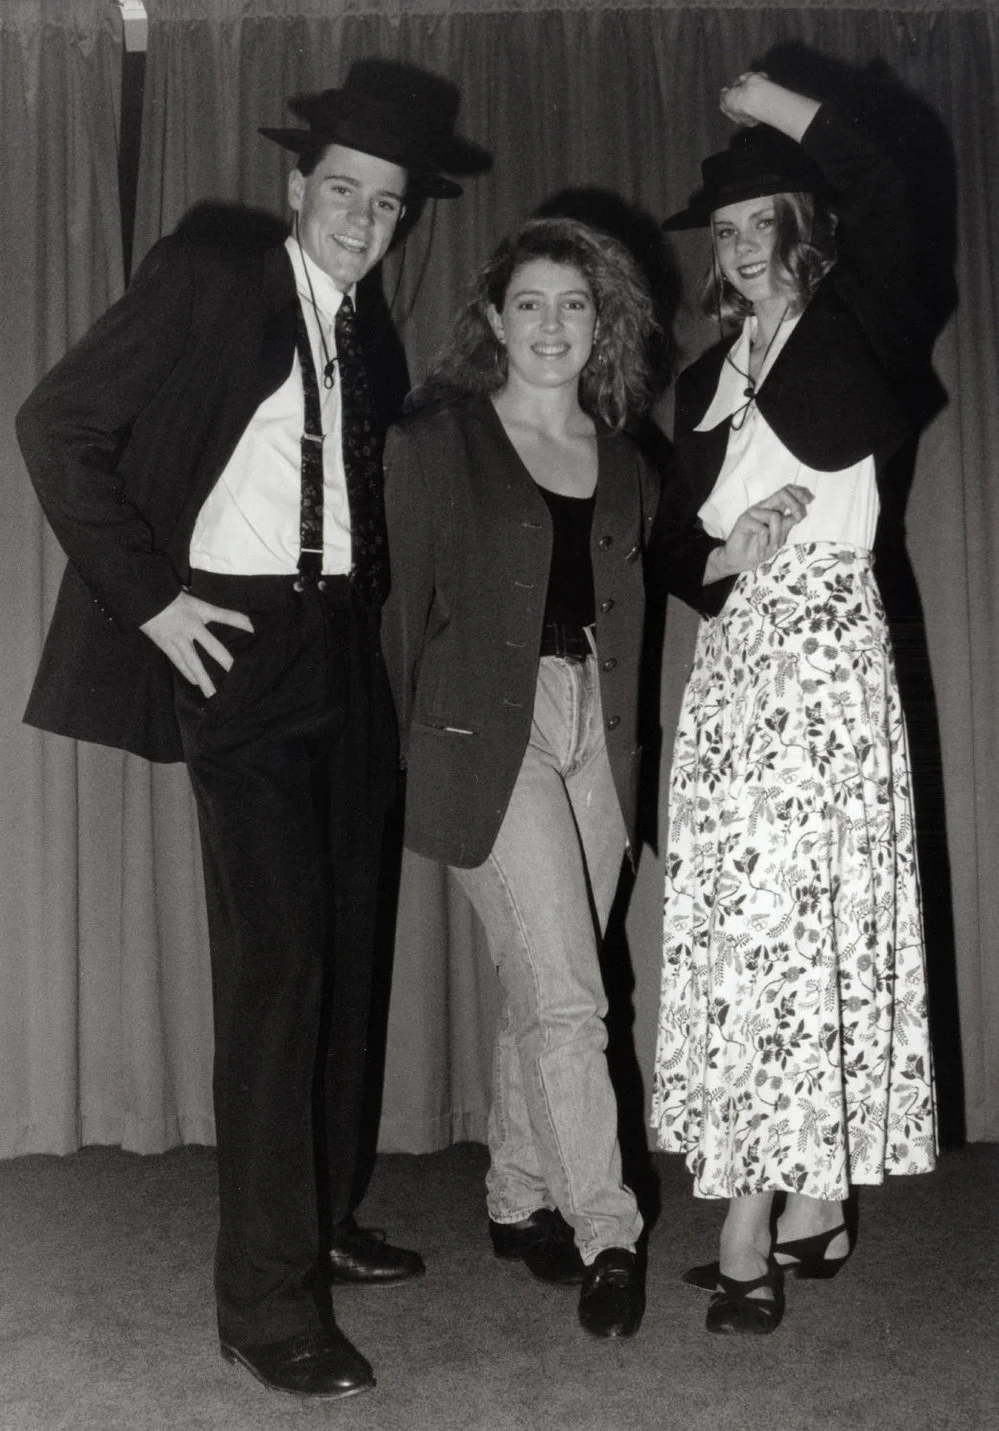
[
  {"x": 518, "y": 512},
  {"x": 793, "y": 1053}
]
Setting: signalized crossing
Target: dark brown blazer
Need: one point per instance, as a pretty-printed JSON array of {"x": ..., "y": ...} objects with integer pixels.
[
  {"x": 470, "y": 541},
  {"x": 124, "y": 439},
  {"x": 836, "y": 392}
]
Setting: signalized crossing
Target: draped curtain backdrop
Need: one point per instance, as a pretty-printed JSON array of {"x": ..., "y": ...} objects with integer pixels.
[{"x": 105, "y": 1024}]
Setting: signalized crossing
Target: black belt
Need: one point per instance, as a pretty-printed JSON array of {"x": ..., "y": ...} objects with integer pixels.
[
  {"x": 266, "y": 593},
  {"x": 569, "y": 642}
]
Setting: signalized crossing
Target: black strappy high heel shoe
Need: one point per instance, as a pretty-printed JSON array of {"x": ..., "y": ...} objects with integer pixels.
[
  {"x": 705, "y": 1276},
  {"x": 809, "y": 1255},
  {"x": 732, "y": 1309}
]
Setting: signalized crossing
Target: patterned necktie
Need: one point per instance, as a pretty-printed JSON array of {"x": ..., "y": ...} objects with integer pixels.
[{"x": 362, "y": 464}]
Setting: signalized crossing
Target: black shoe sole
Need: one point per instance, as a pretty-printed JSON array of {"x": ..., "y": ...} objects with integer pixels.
[
  {"x": 236, "y": 1358},
  {"x": 602, "y": 1336},
  {"x": 395, "y": 1280},
  {"x": 508, "y": 1254},
  {"x": 573, "y": 1278},
  {"x": 566, "y": 1276},
  {"x": 621, "y": 1332}
]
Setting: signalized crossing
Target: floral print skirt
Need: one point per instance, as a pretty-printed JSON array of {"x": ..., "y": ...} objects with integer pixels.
[{"x": 793, "y": 1050}]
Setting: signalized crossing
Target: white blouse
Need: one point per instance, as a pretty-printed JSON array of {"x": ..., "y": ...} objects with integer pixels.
[{"x": 844, "y": 506}]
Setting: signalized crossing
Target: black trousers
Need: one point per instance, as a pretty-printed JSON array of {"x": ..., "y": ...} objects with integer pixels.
[{"x": 293, "y": 764}]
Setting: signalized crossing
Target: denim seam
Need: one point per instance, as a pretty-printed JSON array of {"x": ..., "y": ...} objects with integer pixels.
[{"x": 563, "y": 1163}]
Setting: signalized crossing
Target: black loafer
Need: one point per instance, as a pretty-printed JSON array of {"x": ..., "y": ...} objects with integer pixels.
[
  {"x": 544, "y": 1243},
  {"x": 612, "y": 1297},
  {"x": 511, "y": 1239},
  {"x": 362, "y": 1256},
  {"x": 321, "y": 1364}
]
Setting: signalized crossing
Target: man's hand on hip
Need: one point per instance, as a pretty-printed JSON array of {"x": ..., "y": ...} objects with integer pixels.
[{"x": 180, "y": 628}]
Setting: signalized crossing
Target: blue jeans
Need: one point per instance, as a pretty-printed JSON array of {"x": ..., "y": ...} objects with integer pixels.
[{"x": 544, "y": 895}]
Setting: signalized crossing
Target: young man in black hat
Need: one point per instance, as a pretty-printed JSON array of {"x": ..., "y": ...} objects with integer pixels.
[{"x": 208, "y": 457}]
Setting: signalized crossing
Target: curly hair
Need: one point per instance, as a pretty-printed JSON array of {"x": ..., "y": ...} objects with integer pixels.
[
  {"x": 804, "y": 252},
  {"x": 614, "y": 386}
]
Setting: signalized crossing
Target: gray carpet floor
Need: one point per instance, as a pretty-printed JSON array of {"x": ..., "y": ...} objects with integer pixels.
[{"x": 106, "y": 1316}]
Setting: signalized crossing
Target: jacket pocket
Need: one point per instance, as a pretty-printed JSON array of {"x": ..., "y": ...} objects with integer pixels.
[{"x": 442, "y": 727}]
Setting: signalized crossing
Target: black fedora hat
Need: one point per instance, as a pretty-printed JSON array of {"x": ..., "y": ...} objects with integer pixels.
[
  {"x": 396, "y": 112},
  {"x": 757, "y": 163}
]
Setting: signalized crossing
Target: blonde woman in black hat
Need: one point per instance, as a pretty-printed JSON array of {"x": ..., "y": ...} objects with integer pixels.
[
  {"x": 793, "y": 1055},
  {"x": 207, "y": 456}
]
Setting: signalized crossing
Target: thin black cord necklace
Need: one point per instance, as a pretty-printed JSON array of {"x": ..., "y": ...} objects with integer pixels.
[
  {"x": 738, "y": 418},
  {"x": 329, "y": 364}
]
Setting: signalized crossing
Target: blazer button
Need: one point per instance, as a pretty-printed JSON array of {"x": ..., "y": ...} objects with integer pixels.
[
  {"x": 633, "y": 553},
  {"x": 607, "y": 605},
  {"x": 609, "y": 664},
  {"x": 613, "y": 722},
  {"x": 605, "y": 543}
]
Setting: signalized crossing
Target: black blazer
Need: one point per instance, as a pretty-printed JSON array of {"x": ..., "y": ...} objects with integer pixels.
[
  {"x": 835, "y": 393},
  {"x": 124, "y": 439},
  {"x": 470, "y": 541}
]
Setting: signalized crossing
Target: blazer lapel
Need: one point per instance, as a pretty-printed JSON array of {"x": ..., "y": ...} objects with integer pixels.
[{"x": 279, "y": 299}]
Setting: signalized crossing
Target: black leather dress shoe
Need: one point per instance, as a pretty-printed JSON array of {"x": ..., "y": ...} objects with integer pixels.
[
  {"x": 544, "y": 1243},
  {"x": 362, "y": 1256},
  {"x": 612, "y": 1297},
  {"x": 321, "y": 1364}
]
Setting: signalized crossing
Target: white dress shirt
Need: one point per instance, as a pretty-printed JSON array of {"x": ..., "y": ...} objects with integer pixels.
[
  {"x": 845, "y": 505},
  {"x": 249, "y": 524}
]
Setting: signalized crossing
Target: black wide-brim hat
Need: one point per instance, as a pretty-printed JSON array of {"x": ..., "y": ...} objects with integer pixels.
[
  {"x": 396, "y": 112},
  {"x": 758, "y": 162}
]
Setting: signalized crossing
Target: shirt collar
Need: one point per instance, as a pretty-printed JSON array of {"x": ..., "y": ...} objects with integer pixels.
[
  {"x": 730, "y": 394},
  {"x": 328, "y": 297}
]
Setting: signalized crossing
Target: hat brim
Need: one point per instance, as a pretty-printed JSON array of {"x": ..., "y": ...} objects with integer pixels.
[
  {"x": 698, "y": 213},
  {"x": 423, "y": 177}
]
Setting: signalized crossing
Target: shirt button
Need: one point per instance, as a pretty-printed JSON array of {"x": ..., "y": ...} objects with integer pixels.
[
  {"x": 613, "y": 722},
  {"x": 605, "y": 543},
  {"x": 607, "y": 605},
  {"x": 609, "y": 664}
]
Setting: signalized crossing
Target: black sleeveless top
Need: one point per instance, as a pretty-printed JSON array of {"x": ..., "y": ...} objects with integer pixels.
[{"x": 570, "y": 599}]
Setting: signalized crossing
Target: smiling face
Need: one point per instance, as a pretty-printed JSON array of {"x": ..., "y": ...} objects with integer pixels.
[
  {"x": 347, "y": 208},
  {"x": 745, "y": 241},
  {"x": 546, "y": 323}
]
